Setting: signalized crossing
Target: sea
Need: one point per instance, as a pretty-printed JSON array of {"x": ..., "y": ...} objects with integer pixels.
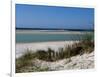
[{"x": 28, "y": 36}]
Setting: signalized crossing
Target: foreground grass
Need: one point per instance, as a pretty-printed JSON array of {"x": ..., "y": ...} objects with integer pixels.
[{"x": 25, "y": 63}]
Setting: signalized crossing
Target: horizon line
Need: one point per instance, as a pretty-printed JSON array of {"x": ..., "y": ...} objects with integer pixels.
[{"x": 20, "y": 28}]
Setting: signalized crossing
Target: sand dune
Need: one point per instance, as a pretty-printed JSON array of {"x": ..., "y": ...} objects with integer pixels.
[{"x": 85, "y": 61}]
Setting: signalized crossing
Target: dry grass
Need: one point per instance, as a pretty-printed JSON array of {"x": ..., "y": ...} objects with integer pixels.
[{"x": 25, "y": 61}]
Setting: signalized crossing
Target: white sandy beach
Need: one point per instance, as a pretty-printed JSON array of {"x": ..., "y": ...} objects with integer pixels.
[{"x": 22, "y": 47}]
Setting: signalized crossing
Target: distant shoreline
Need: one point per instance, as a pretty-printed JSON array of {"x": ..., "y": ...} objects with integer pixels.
[
  {"x": 56, "y": 29},
  {"x": 50, "y": 32}
]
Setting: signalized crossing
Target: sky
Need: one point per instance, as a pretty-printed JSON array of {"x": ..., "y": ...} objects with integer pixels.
[{"x": 39, "y": 16}]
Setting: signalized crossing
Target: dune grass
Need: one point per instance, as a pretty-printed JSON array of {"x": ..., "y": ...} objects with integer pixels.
[
  {"x": 26, "y": 62},
  {"x": 84, "y": 46}
]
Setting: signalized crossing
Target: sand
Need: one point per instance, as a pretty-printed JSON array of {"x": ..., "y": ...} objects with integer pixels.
[
  {"x": 85, "y": 61},
  {"x": 23, "y": 47}
]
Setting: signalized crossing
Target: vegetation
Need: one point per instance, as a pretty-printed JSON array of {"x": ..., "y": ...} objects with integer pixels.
[{"x": 24, "y": 62}]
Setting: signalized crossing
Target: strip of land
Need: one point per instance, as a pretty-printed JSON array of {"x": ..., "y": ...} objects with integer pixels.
[{"x": 49, "y": 32}]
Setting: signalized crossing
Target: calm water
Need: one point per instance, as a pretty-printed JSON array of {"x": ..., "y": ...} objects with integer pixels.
[{"x": 43, "y": 37}]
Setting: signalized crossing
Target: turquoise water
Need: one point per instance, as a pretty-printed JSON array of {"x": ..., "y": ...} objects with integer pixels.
[{"x": 38, "y": 37}]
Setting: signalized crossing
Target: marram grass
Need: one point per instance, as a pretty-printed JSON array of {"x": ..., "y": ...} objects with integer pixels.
[{"x": 25, "y": 62}]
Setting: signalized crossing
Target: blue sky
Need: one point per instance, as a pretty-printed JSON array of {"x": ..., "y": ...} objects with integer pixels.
[{"x": 39, "y": 16}]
